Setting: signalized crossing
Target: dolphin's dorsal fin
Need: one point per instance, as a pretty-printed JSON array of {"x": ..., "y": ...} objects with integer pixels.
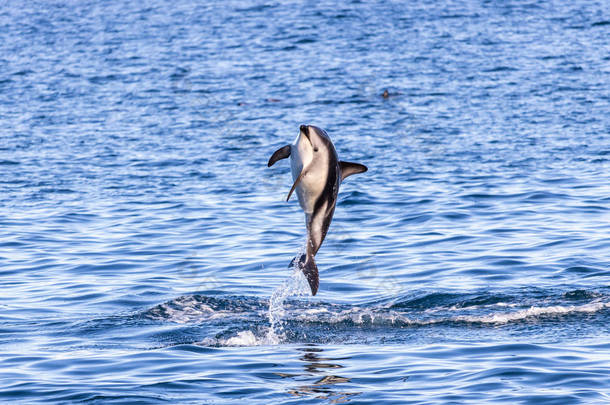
[
  {"x": 281, "y": 153},
  {"x": 349, "y": 168},
  {"x": 296, "y": 182}
]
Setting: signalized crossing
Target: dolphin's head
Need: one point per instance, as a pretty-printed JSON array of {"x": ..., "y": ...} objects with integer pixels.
[
  {"x": 312, "y": 145},
  {"x": 313, "y": 140}
]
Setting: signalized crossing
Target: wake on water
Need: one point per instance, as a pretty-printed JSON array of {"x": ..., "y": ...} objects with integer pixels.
[
  {"x": 281, "y": 319},
  {"x": 250, "y": 321}
]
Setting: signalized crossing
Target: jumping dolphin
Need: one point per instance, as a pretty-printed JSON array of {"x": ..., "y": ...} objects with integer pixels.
[{"x": 317, "y": 173}]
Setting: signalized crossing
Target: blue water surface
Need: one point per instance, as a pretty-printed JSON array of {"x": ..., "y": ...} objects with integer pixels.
[{"x": 144, "y": 244}]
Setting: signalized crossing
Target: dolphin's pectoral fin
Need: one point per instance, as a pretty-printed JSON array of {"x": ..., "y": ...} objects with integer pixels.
[
  {"x": 296, "y": 182},
  {"x": 281, "y": 153},
  {"x": 349, "y": 168}
]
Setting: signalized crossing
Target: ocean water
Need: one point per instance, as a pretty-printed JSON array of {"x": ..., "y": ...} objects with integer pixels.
[{"x": 144, "y": 244}]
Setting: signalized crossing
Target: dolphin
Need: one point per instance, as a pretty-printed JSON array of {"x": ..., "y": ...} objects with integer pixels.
[{"x": 317, "y": 173}]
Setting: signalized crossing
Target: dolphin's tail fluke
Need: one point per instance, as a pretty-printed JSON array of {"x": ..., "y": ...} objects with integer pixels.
[
  {"x": 309, "y": 268},
  {"x": 311, "y": 272}
]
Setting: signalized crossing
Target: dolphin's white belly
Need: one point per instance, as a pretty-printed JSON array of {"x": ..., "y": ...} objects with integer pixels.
[{"x": 312, "y": 183}]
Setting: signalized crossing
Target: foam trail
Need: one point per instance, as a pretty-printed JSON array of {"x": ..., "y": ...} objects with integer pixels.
[
  {"x": 295, "y": 285},
  {"x": 534, "y": 311},
  {"x": 243, "y": 338}
]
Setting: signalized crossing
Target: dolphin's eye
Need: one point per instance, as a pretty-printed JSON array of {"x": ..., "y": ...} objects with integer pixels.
[{"x": 315, "y": 149}]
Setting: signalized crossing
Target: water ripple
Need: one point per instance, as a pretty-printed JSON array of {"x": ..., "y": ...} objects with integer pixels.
[{"x": 144, "y": 243}]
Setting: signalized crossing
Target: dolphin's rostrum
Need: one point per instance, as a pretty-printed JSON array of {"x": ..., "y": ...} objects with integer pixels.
[{"x": 317, "y": 173}]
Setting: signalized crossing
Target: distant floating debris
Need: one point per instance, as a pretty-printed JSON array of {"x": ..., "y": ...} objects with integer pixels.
[
  {"x": 268, "y": 100},
  {"x": 601, "y": 23},
  {"x": 387, "y": 94}
]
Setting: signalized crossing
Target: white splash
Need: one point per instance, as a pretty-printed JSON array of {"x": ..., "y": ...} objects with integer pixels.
[
  {"x": 295, "y": 285},
  {"x": 244, "y": 338}
]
